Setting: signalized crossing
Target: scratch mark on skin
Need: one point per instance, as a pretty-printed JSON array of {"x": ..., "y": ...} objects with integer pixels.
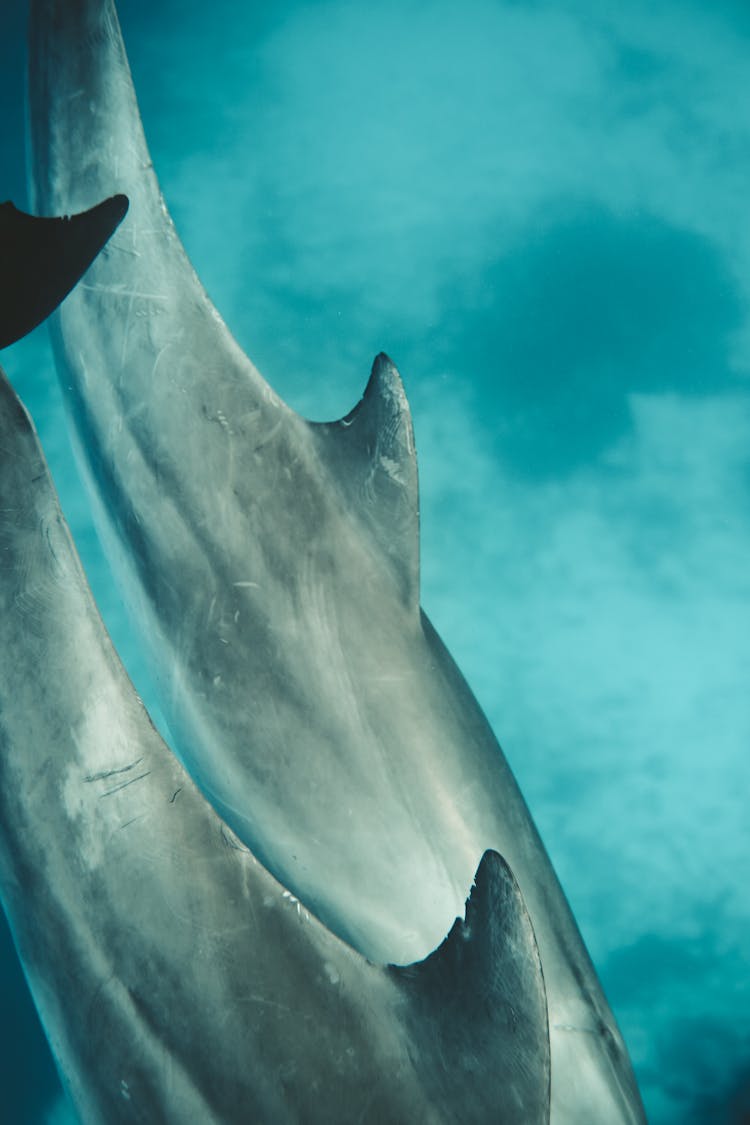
[
  {"x": 159, "y": 355},
  {"x": 173, "y": 798},
  {"x": 124, "y": 784},
  {"x": 233, "y": 844},
  {"x": 271, "y": 1004},
  {"x": 131, "y": 821},
  {"x": 122, "y": 250},
  {"x": 110, "y": 773},
  {"x": 49, "y": 544},
  {"x": 126, "y": 332},
  {"x": 366, "y": 1108},
  {"x": 269, "y": 435},
  {"x": 131, "y": 294}
]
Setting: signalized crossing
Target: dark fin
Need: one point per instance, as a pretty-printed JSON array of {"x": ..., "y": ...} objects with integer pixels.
[
  {"x": 371, "y": 453},
  {"x": 479, "y": 1008},
  {"x": 42, "y": 259}
]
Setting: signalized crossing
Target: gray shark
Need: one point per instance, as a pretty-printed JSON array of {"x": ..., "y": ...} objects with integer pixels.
[
  {"x": 273, "y": 567},
  {"x": 177, "y": 981},
  {"x": 42, "y": 259}
]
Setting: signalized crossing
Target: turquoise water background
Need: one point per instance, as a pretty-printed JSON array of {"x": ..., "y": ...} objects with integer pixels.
[{"x": 541, "y": 211}]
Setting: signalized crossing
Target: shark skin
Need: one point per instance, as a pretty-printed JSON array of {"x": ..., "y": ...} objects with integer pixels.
[
  {"x": 273, "y": 568},
  {"x": 178, "y": 982}
]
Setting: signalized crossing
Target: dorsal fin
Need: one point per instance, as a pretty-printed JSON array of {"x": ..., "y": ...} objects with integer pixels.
[
  {"x": 371, "y": 454},
  {"x": 481, "y": 999},
  {"x": 42, "y": 259}
]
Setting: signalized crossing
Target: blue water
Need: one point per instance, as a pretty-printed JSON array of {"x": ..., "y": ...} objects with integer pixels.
[{"x": 540, "y": 211}]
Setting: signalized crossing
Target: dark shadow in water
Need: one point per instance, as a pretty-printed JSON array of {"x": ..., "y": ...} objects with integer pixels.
[
  {"x": 28, "y": 1078},
  {"x": 584, "y": 309},
  {"x": 708, "y": 1069},
  {"x": 730, "y": 1106},
  {"x": 652, "y": 963},
  {"x": 701, "y": 1061}
]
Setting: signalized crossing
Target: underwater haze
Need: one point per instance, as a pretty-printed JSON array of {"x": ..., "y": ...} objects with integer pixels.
[{"x": 541, "y": 211}]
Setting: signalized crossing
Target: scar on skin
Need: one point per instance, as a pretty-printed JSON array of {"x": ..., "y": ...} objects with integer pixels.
[
  {"x": 131, "y": 821},
  {"x": 124, "y": 784},
  {"x": 229, "y": 843},
  {"x": 110, "y": 773}
]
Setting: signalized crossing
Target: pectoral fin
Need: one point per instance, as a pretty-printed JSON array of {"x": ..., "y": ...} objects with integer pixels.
[{"x": 42, "y": 259}]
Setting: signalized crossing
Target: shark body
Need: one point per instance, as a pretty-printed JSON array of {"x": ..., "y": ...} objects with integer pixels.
[
  {"x": 177, "y": 981},
  {"x": 273, "y": 566}
]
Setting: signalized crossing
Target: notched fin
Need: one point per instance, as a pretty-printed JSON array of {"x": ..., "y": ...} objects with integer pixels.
[
  {"x": 480, "y": 998},
  {"x": 42, "y": 259},
  {"x": 371, "y": 453}
]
